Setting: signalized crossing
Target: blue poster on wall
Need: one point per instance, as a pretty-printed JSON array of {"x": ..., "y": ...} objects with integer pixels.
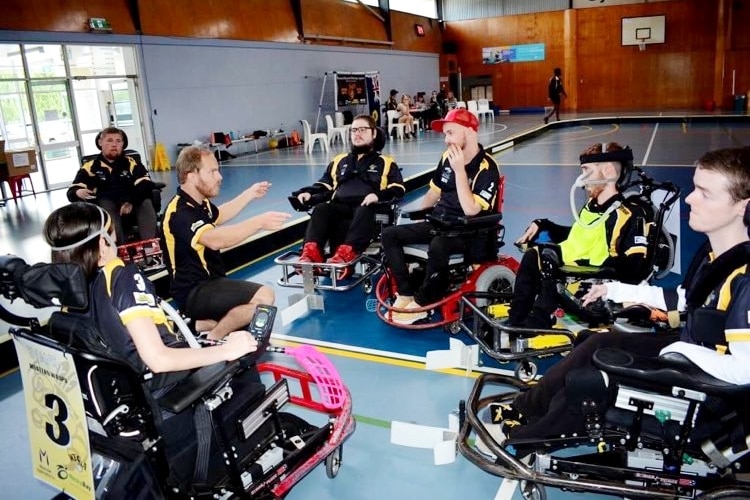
[{"x": 513, "y": 53}]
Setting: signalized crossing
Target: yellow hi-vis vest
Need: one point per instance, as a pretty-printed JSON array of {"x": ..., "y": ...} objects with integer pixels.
[{"x": 586, "y": 243}]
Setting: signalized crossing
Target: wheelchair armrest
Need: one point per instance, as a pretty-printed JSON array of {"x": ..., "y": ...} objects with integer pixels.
[
  {"x": 589, "y": 272},
  {"x": 315, "y": 199},
  {"x": 669, "y": 369},
  {"x": 469, "y": 223},
  {"x": 417, "y": 214},
  {"x": 201, "y": 381}
]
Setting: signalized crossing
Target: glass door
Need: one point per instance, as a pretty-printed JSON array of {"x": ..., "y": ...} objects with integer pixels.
[
  {"x": 57, "y": 139},
  {"x": 123, "y": 112}
]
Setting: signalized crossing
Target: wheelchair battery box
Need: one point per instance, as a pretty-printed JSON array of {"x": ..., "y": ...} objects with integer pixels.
[
  {"x": 146, "y": 254},
  {"x": 244, "y": 425}
]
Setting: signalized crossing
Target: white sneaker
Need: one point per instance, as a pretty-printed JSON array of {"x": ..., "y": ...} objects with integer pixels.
[
  {"x": 409, "y": 318},
  {"x": 496, "y": 432},
  {"x": 402, "y": 301}
]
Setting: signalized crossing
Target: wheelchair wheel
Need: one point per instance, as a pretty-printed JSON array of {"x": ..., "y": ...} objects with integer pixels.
[
  {"x": 368, "y": 286},
  {"x": 495, "y": 279},
  {"x": 532, "y": 491},
  {"x": 526, "y": 370},
  {"x": 333, "y": 463},
  {"x": 725, "y": 492},
  {"x": 665, "y": 247}
]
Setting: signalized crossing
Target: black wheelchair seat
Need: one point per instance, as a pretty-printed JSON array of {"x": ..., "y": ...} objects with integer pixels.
[{"x": 668, "y": 369}]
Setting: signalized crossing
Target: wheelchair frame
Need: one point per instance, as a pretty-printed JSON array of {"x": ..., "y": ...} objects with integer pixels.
[
  {"x": 450, "y": 306},
  {"x": 510, "y": 343},
  {"x": 132, "y": 408},
  {"x": 619, "y": 459},
  {"x": 311, "y": 276}
]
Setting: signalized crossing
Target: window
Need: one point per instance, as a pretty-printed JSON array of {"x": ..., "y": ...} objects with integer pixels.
[{"x": 425, "y": 8}]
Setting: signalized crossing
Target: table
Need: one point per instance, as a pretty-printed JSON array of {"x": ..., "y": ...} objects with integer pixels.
[{"x": 221, "y": 145}]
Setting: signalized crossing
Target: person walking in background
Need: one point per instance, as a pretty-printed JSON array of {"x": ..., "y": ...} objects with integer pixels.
[{"x": 555, "y": 92}]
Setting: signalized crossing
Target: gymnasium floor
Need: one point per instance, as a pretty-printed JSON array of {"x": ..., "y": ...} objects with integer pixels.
[{"x": 384, "y": 366}]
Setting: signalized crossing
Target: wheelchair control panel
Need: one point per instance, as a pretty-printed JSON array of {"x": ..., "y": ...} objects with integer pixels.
[{"x": 262, "y": 323}]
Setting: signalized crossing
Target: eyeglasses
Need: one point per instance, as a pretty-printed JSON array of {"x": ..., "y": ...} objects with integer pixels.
[{"x": 360, "y": 130}]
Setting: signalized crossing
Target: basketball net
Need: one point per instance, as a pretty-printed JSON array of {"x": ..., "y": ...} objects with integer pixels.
[{"x": 641, "y": 44}]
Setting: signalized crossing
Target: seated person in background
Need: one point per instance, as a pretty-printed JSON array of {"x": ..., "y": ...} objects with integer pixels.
[
  {"x": 450, "y": 102},
  {"x": 119, "y": 184},
  {"x": 715, "y": 293},
  {"x": 607, "y": 232},
  {"x": 391, "y": 104},
  {"x": 465, "y": 183},
  {"x": 194, "y": 232},
  {"x": 352, "y": 184},
  {"x": 124, "y": 302},
  {"x": 406, "y": 116}
]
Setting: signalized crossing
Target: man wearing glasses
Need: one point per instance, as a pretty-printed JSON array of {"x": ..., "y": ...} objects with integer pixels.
[{"x": 345, "y": 197}]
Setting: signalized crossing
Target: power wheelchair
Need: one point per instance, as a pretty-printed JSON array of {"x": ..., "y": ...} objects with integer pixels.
[
  {"x": 484, "y": 322},
  {"x": 215, "y": 432},
  {"x": 479, "y": 273},
  {"x": 666, "y": 430},
  {"x": 323, "y": 276},
  {"x": 146, "y": 254}
]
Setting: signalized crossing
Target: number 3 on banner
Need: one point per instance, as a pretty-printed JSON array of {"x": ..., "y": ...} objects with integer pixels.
[{"x": 58, "y": 436}]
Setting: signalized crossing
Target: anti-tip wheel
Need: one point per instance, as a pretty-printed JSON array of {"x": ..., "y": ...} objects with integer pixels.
[
  {"x": 526, "y": 371},
  {"x": 333, "y": 463}
]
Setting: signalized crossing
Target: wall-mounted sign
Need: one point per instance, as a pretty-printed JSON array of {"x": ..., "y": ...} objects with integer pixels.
[{"x": 513, "y": 53}]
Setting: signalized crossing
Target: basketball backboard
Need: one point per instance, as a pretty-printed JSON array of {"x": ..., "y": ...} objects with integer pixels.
[{"x": 643, "y": 30}]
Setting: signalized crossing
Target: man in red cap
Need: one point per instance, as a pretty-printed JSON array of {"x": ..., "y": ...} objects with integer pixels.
[{"x": 465, "y": 183}]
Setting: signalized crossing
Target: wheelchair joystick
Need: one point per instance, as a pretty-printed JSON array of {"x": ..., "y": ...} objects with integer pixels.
[{"x": 260, "y": 328}]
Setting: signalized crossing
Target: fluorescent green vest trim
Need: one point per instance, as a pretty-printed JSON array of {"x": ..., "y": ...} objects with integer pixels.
[{"x": 586, "y": 243}]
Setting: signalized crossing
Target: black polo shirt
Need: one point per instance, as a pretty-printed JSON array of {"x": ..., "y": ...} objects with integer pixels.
[
  {"x": 484, "y": 177},
  {"x": 120, "y": 294},
  {"x": 189, "y": 262}
]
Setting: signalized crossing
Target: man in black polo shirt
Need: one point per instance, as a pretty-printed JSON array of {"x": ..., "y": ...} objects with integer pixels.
[
  {"x": 351, "y": 187},
  {"x": 195, "y": 230},
  {"x": 119, "y": 184},
  {"x": 465, "y": 183}
]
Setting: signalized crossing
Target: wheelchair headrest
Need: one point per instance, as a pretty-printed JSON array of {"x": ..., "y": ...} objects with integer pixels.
[
  {"x": 380, "y": 138},
  {"x": 111, "y": 130},
  {"x": 622, "y": 156},
  {"x": 44, "y": 285}
]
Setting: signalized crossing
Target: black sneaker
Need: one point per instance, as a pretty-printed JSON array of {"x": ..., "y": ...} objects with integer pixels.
[{"x": 505, "y": 413}]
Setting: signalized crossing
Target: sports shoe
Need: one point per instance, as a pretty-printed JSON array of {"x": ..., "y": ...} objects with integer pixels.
[
  {"x": 407, "y": 318},
  {"x": 498, "y": 435},
  {"x": 310, "y": 253},
  {"x": 401, "y": 302},
  {"x": 505, "y": 412},
  {"x": 344, "y": 254}
]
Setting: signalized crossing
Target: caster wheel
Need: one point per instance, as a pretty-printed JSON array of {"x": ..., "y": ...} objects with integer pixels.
[
  {"x": 333, "y": 463},
  {"x": 454, "y": 328},
  {"x": 368, "y": 286},
  {"x": 526, "y": 371},
  {"x": 533, "y": 491}
]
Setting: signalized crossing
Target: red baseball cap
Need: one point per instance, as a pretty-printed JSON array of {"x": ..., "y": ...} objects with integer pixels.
[{"x": 460, "y": 116}]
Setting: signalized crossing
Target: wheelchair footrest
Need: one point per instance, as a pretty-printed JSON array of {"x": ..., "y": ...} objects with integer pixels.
[{"x": 324, "y": 274}]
